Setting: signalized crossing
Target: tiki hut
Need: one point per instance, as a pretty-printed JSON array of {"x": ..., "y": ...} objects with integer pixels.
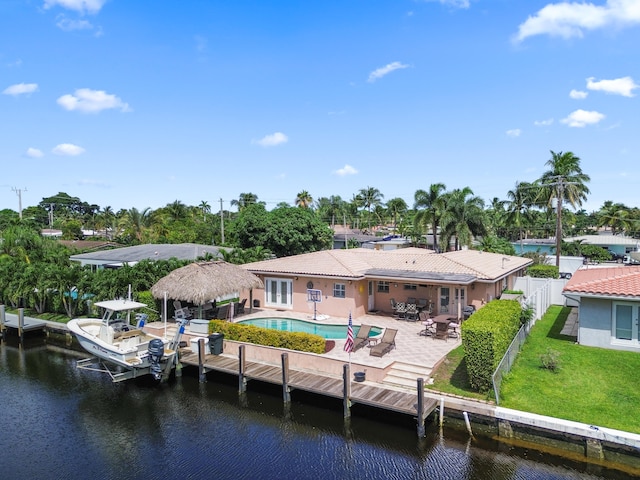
[{"x": 201, "y": 282}]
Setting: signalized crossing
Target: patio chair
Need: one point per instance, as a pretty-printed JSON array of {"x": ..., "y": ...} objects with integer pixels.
[
  {"x": 422, "y": 303},
  {"x": 441, "y": 332},
  {"x": 387, "y": 342},
  {"x": 223, "y": 311},
  {"x": 411, "y": 315},
  {"x": 453, "y": 329},
  {"x": 411, "y": 300},
  {"x": 362, "y": 338},
  {"x": 428, "y": 324},
  {"x": 401, "y": 310},
  {"x": 394, "y": 304},
  {"x": 240, "y": 306}
]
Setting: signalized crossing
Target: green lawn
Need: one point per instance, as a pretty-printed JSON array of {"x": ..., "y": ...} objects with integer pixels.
[{"x": 593, "y": 385}]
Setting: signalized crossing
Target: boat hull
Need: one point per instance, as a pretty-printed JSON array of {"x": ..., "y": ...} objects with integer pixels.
[{"x": 128, "y": 350}]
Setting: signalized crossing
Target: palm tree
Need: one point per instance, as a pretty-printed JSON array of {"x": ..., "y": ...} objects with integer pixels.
[
  {"x": 463, "y": 217},
  {"x": 370, "y": 198},
  {"x": 304, "y": 199},
  {"x": 245, "y": 200},
  {"x": 330, "y": 208},
  {"x": 519, "y": 205},
  {"x": 205, "y": 208},
  {"x": 429, "y": 207},
  {"x": 397, "y": 207},
  {"x": 136, "y": 222},
  {"x": 564, "y": 182}
]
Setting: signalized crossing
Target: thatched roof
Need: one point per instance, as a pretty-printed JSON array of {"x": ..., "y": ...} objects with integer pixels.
[{"x": 200, "y": 282}]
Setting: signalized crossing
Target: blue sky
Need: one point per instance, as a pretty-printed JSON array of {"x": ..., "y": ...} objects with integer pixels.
[{"x": 140, "y": 103}]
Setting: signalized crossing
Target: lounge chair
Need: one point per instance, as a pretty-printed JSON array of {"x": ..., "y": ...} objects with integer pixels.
[
  {"x": 362, "y": 338},
  {"x": 387, "y": 342}
]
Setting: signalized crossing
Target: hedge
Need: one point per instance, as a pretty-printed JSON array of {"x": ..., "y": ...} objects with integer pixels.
[
  {"x": 486, "y": 336},
  {"x": 543, "y": 271},
  {"x": 304, "y": 342}
]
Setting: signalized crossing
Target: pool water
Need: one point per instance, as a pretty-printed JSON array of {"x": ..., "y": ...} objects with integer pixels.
[{"x": 332, "y": 332}]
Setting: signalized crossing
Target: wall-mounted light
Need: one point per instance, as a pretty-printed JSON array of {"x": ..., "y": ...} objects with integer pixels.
[
  {"x": 296, "y": 278},
  {"x": 395, "y": 285},
  {"x": 350, "y": 282}
]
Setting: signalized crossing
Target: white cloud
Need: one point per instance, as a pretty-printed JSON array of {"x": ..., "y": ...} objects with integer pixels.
[
  {"x": 387, "y": 69},
  {"x": 346, "y": 170},
  {"x": 578, "y": 94},
  {"x": 582, "y": 118},
  {"x": 514, "y": 132},
  {"x": 69, "y": 25},
  {"x": 453, "y": 3},
  {"x": 620, "y": 86},
  {"x": 20, "y": 89},
  {"x": 34, "y": 153},
  {"x": 67, "y": 150},
  {"x": 80, "y": 6},
  {"x": 543, "y": 123},
  {"x": 272, "y": 140},
  {"x": 569, "y": 20},
  {"x": 92, "y": 101}
]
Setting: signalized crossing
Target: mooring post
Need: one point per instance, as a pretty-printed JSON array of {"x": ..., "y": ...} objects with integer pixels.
[
  {"x": 346, "y": 390},
  {"x": 420, "y": 408},
  {"x": 21, "y": 324},
  {"x": 242, "y": 381},
  {"x": 2, "y": 320},
  {"x": 201, "y": 373},
  {"x": 441, "y": 419},
  {"x": 286, "y": 394}
]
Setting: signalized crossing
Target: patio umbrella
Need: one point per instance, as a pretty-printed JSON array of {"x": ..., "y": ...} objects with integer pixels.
[{"x": 200, "y": 282}]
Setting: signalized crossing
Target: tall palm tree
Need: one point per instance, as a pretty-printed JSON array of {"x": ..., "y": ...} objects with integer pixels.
[
  {"x": 304, "y": 199},
  {"x": 176, "y": 210},
  {"x": 519, "y": 203},
  {"x": 397, "y": 207},
  {"x": 136, "y": 221},
  {"x": 463, "y": 217},
  {"x": 429, "y": 207},
  {"x": 245, "y": 200},
  {"x": 565, "y": 182},
  {"x": 205, "y": 208},
  {"x": 330, "y": 207},
  {"x": 370, "y": 198}
]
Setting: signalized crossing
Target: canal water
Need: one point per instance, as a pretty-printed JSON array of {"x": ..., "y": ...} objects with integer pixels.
[{"x": 58, "y": 422}]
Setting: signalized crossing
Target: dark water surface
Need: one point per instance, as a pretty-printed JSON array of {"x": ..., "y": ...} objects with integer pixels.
[{"x": 58, "y": 422}]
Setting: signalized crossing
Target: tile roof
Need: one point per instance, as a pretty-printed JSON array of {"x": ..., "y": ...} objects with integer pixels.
[
  {"x": 621, "y": 281},
  {"x": 462, "y": 266}
]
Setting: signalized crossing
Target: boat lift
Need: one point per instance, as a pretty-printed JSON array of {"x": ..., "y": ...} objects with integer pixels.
[{"x": 119, "y": 374}]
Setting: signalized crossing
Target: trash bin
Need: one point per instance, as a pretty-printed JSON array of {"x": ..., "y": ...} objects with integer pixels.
[
  {"x": 215, "y": 343},
  {"x": 359, "y": 376},
  {"x": 256, "y": 304}
]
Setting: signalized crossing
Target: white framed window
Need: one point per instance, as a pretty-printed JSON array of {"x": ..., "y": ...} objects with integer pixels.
[
  {"x": 278, "y": 292},
  {"x": 383, "y": 287},
  {"x": 339, "y": 290}
]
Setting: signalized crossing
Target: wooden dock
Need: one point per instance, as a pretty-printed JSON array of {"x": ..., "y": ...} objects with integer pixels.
[
  {"x": 19, "y": 322},
  {"x": 350, "y": 392}
]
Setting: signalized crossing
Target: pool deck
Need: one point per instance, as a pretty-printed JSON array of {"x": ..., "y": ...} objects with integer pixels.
[{"x": 414, "y": 356}]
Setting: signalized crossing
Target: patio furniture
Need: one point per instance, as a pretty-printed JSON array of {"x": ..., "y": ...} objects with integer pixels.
[
  {"x": 362, "y": 338},
  {"x": 428, "y": 324},
  {"x": 239, "y": 306},
  {"x": 453, "y": 329},
  {"x": 442, "y": 331},
  {"x": 468, "y": 311},
  {"x": 411, "y": 314},
  {"x": 422, "y": 304},
  {"x": 387, "y": 342},
  {"x": 223, "y": 311},
  {"x": 393, "y": 304},
  {"x": 411, "y": 300},
  {"x": 401, "y": 310}
]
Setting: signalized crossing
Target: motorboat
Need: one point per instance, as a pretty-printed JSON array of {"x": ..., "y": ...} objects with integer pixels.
[{"x": 113, "y": 339}]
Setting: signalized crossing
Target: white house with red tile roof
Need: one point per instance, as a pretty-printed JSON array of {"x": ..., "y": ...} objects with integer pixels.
[
  {"x": 609, "y": 306},
  {"x": 363, "y": 280}
]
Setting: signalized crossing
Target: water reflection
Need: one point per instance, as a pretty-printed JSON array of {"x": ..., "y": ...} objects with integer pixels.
[{"x": 78, "y": 424}]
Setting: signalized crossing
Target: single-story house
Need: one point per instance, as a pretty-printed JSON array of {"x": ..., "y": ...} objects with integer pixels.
[
  {"x": 360, "y": 280},
  {"x": 117, "y": 257},
  {"x": 608, "y": 306}
]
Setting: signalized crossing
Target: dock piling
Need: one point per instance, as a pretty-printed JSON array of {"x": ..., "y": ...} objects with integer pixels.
[
  {"x": 286, "y": 392},
  {"x": 21, "y": 324},
  {"x": 242, "y": 379},
  {"x": 346, "y": 390},
  {"x": 2, "y": 320},
  {"x": 420, "y": 407},
  {"x": 201, "y": 371}
]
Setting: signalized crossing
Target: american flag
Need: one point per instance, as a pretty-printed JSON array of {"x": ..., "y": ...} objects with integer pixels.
[{"x": 348, "y": 346}]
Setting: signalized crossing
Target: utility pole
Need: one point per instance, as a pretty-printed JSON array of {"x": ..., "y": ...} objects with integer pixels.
[
  {"x": 222, "y": 222},
  {"x": 19, "y": 193}
]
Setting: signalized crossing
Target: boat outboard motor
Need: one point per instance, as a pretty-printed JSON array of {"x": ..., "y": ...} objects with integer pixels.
[{"x": 156, "y": 351}]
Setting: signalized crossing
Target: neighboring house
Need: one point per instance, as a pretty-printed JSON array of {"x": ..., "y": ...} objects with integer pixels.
[
  {"x": 360, "y": 280},
  {"x": 608, "y": 306},
  {"x": 618, "y": 244},
  {"x": 117, "y": 257},
  {"x": 389, "y": 242},
  {"x": 343, "y": 236}
]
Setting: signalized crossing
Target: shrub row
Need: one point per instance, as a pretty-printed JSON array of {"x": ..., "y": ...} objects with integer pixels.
[
  {"x": 543, "y": 271},
  {"x": 486, "y": 335},
  {"x": 303, "y": 342}
]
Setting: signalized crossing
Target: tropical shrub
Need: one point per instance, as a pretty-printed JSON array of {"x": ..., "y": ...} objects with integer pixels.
[
  {"x": 304, "y": 342},
  {"x": 486, "y": 336},
  {"x": 543, "y": 271}
]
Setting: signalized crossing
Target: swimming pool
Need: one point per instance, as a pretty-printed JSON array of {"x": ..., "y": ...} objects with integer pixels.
[{"x": 330, "y": 332}]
